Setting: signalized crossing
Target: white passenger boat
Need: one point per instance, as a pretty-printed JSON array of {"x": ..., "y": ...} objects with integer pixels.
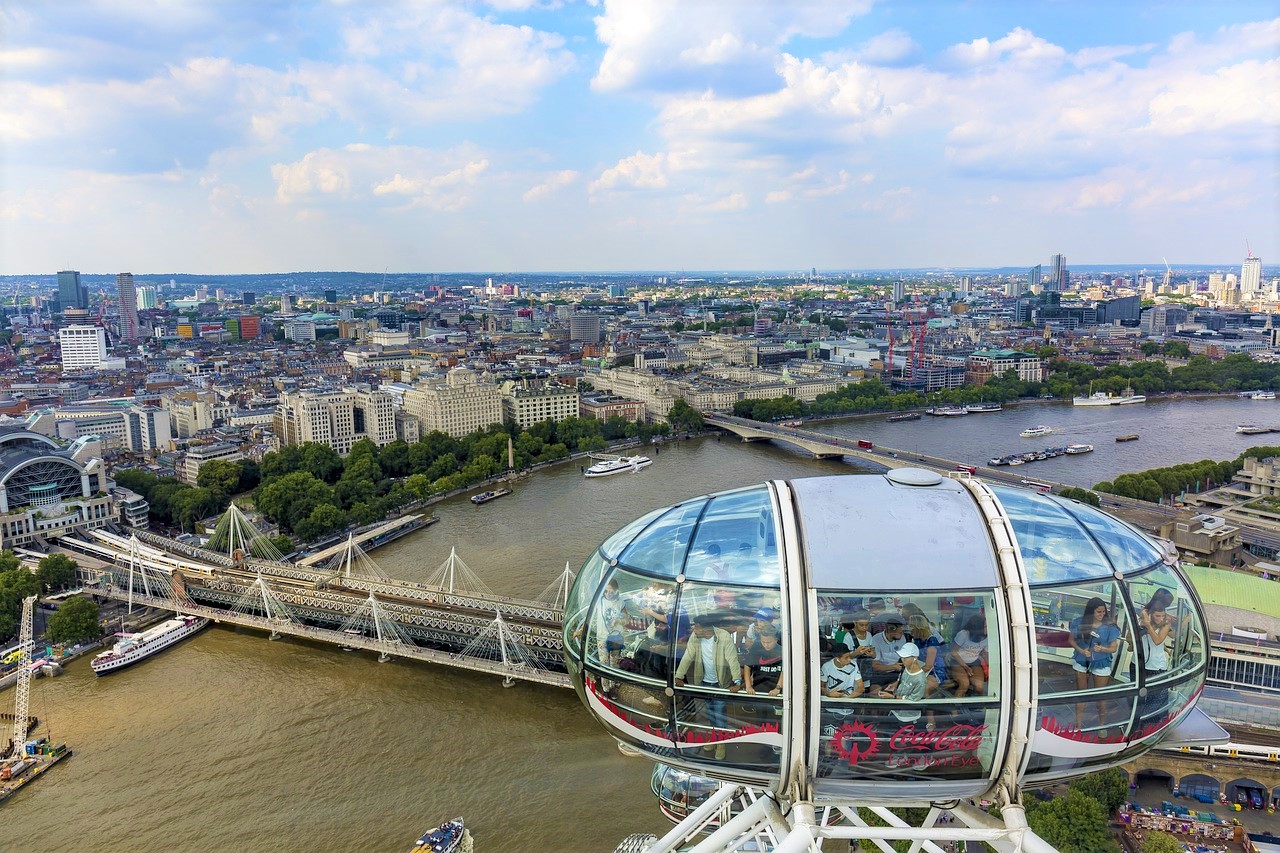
[
  {"x": 617, "y": 464},
  {"x": 983, "y": 408},
  {"x": 131, "y": 648},
  {"x": 1259, "y": 395},
  {"x": 1036, "y": 431},
  {"x": 1101, "y": 398},
  {"x": 1073, "y": 449}
]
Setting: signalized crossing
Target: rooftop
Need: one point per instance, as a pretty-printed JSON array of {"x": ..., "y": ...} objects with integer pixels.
[{"x": 1235, "y": 589}]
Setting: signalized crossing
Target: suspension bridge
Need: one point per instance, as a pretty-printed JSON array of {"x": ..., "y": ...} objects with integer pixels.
[{"x": 452, "y": 619}]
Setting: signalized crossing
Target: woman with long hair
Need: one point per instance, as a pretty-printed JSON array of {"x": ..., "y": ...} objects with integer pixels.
[{"x": 1095, "y": 638}]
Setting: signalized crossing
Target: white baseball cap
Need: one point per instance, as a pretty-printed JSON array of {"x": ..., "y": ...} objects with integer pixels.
[{"x": 910, "y": 650}]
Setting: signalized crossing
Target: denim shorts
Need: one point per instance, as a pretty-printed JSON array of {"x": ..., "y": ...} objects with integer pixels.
[{"x": 1095, "y": 668}]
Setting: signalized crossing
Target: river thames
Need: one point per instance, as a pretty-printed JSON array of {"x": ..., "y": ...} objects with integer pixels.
[{"x": 230, "y": 742}]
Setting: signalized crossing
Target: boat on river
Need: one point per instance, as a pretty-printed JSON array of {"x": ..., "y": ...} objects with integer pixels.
[
  {"x": 1133, "y": 436},
  {"x": 1036, "y": 431},
  {"x": 947, "y": 411},
  {"x": 1250, "y": 429},
  {"x": 1073, "y": 449},
  {"x": 610, "y": 465},
  {"x": 983, "y": 408},
  {"x": 132, "y": 648},
  {"x": 485, "y": 497},
  {"x": 904, "y": 416},
  {"x": 1258, "y": 395},
  {"x": 1102, "y": 398},
  {"x": 449, "y": 837}
]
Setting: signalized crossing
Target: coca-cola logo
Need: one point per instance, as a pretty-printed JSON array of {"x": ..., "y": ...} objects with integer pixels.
[
  {"x": 955, "y": 737},
  {"x": 859, "y": 741}
]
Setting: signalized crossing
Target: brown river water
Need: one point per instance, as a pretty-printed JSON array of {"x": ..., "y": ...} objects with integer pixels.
[{"x": 230, "y": 742}]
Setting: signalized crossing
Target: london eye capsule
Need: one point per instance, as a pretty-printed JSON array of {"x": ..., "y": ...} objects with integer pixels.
[{"x": 895, "y": 638}]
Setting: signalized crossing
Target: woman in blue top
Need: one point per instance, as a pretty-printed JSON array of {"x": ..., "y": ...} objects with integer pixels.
[{"x": 1095, "y": 640}]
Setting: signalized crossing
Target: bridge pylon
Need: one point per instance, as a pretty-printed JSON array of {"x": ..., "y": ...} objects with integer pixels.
[
  {"x": 371, "y": 619},
  {"x": 261, "y": 597},
  {"x": 497, "y": 642}
]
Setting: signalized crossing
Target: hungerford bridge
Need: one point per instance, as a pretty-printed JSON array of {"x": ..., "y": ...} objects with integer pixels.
[{"x": 452, "y": 619}]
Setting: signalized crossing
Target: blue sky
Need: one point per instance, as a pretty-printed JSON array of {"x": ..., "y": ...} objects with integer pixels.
[{"x": 156, "y": 135}]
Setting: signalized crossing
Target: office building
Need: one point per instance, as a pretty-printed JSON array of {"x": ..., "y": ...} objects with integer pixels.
[
  {"x": 1251, "y": 278},
  {"x": 190, "y": 412},
  {"x": 584, "y": 327},
  {"x": 199, "y": 456},
  {"x": 982, "y": 365},
  {"x": 71, "y": 293},
  {"x": 966, "y": 284},
  {"x": 899, "y": 291},
  {"x": 117, "y": 424},
  {"x": 83, "y": 347},
  {"x": 146, "y": 297},
  {"x": 336, "y": 418},
  {"x": 1058, "y": 276},
  {"x": 1034, "y": 278},
  {"x": 300, "y": 331},
  {"x": 128, "y": 298},
  {"x": 1162, "y": 320},
  {"x": 286, "y": 304},
  {"x": 248, "y": 297},
  {"x": 250, "y": 327},
  {"x": 526, "y": 405},
  {"x": 461, "y": 404},
  {"x": 331, "y": 296}
]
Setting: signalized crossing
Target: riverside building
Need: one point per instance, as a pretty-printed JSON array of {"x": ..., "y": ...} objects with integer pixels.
[
  {"x": 461, "y": 404},
  {"x": 336, "y": 418}
]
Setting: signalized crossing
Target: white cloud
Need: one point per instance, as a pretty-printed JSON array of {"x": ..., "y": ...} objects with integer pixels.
[
  {"x": 422, "y": 176},
  {"x": 639, "y": 171},
  {"x": 894, "y": 47},
  {"x": 551, "y": 185},
  {"x": 1019, "y": 46},
  {"x": 671, "y": 45}
]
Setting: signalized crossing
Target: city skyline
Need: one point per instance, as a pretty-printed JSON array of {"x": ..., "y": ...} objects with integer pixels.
[{"x": 615, "y": 136}]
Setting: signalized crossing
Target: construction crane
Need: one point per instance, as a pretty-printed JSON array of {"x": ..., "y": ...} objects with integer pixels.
[{"x": 23, "y": 689}]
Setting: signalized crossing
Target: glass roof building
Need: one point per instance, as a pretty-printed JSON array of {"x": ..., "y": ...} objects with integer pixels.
[{"x": 904, "y": 637}]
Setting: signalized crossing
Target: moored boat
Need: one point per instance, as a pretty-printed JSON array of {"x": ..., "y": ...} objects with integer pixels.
[
  {"x": 449, "y": 837},
  {"x": 1259, "y": 395},
  {"x": 485, "y": 497},
  {"x": 947, "y": 411},
  {"x": 1073, "y": 449},
  {"x": 132, "y": 648},
  {"x": 617, "y": 464},
  {"x": 982, "y": 408},
  {"x": 1133, "y": 436},
  {"x": 1036, "y": 431},
  {"x": 1101, "y": 398},
  {"x": 904, "y": 416},
  {"x": 1250, "y": 429}
]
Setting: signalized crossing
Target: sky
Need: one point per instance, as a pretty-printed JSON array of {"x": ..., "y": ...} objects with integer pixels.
[{"x": 439, "y": 136}]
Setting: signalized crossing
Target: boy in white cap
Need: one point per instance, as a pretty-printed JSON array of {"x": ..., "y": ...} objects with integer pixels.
[{"x": 911, "y": 683}]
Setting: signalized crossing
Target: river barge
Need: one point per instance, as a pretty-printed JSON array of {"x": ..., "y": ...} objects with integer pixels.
[
  {"x": 485, "y": 497},
  {"x": 904, "y": 416},
  {"x": 1039, "y": 455},
  {"x": 1133, "y": 436},
  {"x": 39, "y": 758}
]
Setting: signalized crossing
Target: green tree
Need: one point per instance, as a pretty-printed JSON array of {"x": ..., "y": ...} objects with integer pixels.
[
  {"x": 220, "y": 477},
  {"x": 323, "y": 520},
  {"x": 76, "y": 621},
  {"x": 1177, "y": 349},
  {"x": 1161, "y": 842},
  {"x": 684, "y": 417},
  {"x": 1149, "y": 348},
  {"x": 293, "y": 498},
  {"x": 1072, "y": 823},
  {"x": 1108, "y": 787},
  {"x": 56, "y": 571}
]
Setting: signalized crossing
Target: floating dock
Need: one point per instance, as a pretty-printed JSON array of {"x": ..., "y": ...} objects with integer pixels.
[{"x": 37, "y": 765}]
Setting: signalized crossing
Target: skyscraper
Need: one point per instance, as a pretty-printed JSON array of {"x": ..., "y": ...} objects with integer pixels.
[
  {"x": 146, "y": 297},
  {"x": 1034, "y": 277},
  {"x": 1250, "y": 277},
  {"x": 71, "y": 293},
  {"x": 128, "y": 296},
  {"x": 1058, "y": 280}
]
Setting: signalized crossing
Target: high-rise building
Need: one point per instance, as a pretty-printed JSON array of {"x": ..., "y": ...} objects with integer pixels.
[
  {"x": 71, "y": 293},
  {"x": 460, "y": 405},
  {"x": 585, "y": 327},
  {"x": 128, "y": 297},
  {"x": 336, "y": 418},
  {"x": 899, "y": 291},
  {"x": 83, "y": 347},
  {"x": 248, "y": 297},
  {"x": 286, "y": 304},
  {"x": 966, "y": 284},
  {"x": 146, "y": 297},
  {"x": 249, "y": 327},
  {"x": 1057, "y": 282},
  {"x": 1034, "y": 277},
  {"x": 1251, "y": 277},
  {"x": 331, "y": 296}
]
